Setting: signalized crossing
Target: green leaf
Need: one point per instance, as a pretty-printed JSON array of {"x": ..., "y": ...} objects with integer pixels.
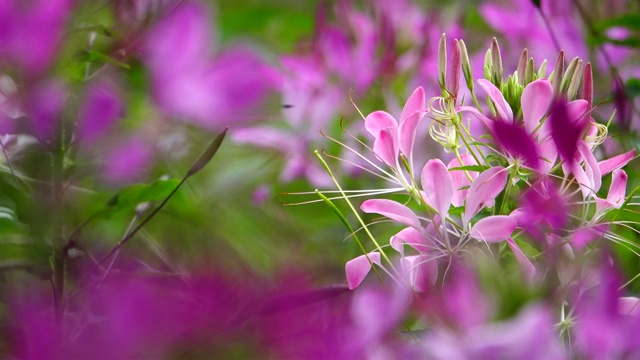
[
  {"x": 478, "y": 168},
  {"x": 630, "y": 41},
  {"x": 633, "y": 87},
  {"x": 456, "y": 210},
  {"x": 630, "y": 21},
  {"x": 207, "y": 155},
  {"x": 132, "y": 195}
]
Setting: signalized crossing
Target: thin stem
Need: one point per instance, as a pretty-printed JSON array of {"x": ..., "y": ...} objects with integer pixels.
[{"x": 355, "y": 212}]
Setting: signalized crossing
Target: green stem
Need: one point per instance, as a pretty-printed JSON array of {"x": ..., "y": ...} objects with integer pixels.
[{"x": 466, "y": 144}]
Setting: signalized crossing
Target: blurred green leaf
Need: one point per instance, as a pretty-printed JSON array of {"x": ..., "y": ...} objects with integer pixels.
[
  {"x": 132, "y": 195},
  {"x": 633, "y": 87},
  {"x": 630, "y": 21},
  {"x": 96, "y": 57}
]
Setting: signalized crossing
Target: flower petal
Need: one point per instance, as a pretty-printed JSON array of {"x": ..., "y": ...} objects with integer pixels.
[
  {"x": 516, "y": 142},
  {"x": 493, "y": 228},
  {"x": 528, "y": 269},
  {"x": 422, "y": 271},
  {"x": 502, "y": 107},
  {"x": 536, "y": 98},
  {"x": 618, "y": 189},
  {"x": 407, "y": 133},
  {"x": 437, "y": 185},
  {"x": 460, "y": 179},
  {"x": 566, "y": 129},
  {"x": 378, "y": 120},
  {"x": 386, "y": 147},
  {"x": 393, "y": 210},
  {"x": 411, "y": 237},
  {"x": 616, "y": 162},
  {"x": 483, "y": 191},
  {"x": 591, "y": 166},
  {"x": 358, "y": 268},
  {"x": 415, "y": 102}
]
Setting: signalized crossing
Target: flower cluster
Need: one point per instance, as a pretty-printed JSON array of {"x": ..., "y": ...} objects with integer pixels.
[{"x": 528, "y": 178}]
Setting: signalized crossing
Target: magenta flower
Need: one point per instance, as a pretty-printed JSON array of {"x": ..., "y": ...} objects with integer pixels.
[
  {"x": 127, "y": 161},
  {"x": 31, "y": 33},
  {"x": 191, "y": 84},
  {"x": 43, "y": 107},
  {"x": 99, "y": 112}
]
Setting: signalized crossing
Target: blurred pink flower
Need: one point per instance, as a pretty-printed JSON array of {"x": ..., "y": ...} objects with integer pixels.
[
  {"x": 192, "y": 84},
  {"x": 31, "y": 32},
  {"x": 127, "y": 161},
  {"x": 99, "y": 112}
]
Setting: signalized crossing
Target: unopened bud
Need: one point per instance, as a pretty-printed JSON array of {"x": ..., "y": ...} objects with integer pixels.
[
  {"x": 442, "y": 64},
  {"x": 587, "y": 84},
  {"x": 568, "y": 75},
  {"x": 575, "y": 81},
  {"x": 528, "y": 72},
  {"x": 496, "y": 60},
  {"x": 466, "y": 65},
  {"x": 487, "y": 65},
  {"x": 556, "y": 77},
  {"x": 542, "y": 70},
  {"x": 453, "y": 80},
  {"x": 522, "y": 65}
]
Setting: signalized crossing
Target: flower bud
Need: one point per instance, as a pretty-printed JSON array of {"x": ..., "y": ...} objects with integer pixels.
[
  {"x": 487, "y": 65},
  {"x": 572, "y": 91},
  {"x": 542, "y": 70},
  {"x": 453, "y": 80},
  {"x": 496, "y": 60},
  {"x": 556, "y": 76},
  {"x": 568, "y": 76},
  {"x": 466, "y": 65},
  {"x": 522, "y": 65},
  {"x": 528, "y": 72},
  {"x": 442, "y": 64},
  {"x": 587, "y": 84}
]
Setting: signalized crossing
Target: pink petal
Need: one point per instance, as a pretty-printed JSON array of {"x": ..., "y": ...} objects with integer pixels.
[
  {"x": 386, "y": 147},
  {"x": 502, "y": 107},
  {"x": 407, "y": 133},
  {"x": 480, "y": 116},
  {"x": 577, "y": 109},
  {"x": 393, "y": 210},
  {"x": 536, "y": 98},
  {"x": 618, "y": 189},
  {"x": 378, "y": 120},
  {"x": 527, "y": 267},
  {"x": 629, "y": 306},
  {"x": 591, "y": 166},
  {"x": 484, "y": 190},
  {"x": 460, "y": 179},
  {"x": 437, "y": 185},
  {"x": 549, "y": 155},
  {"x": 616, "y": 162},
  {"x": 422, "y": 271},
  {"x": 411, "y": 237},
  {"x": 493, "y": 228},
  {"x": 415, "y": 102},
  {"x": 358, "y": 268}
]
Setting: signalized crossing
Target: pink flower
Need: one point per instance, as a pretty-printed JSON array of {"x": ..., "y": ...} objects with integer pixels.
[
  {"x": 393, "y": 137},
  {"x": 189, "y": 83}
]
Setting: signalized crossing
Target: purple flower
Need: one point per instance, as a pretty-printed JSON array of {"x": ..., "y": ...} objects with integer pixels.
[
  {"x": 127, "y": 161},
  {"x": 43, "y": 106},
  {"x": 191, "y": 84},
  {"x": 99, "y": 112},
  {"x": 31, "y": 32}
]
